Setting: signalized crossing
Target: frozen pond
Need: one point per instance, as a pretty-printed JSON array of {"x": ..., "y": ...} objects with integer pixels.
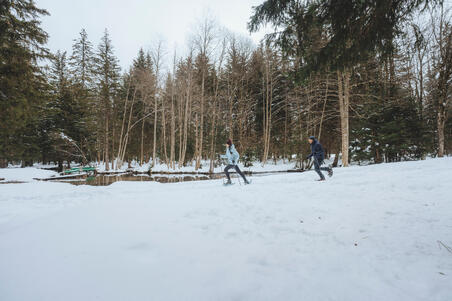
[{"x": 105, "y": 180}]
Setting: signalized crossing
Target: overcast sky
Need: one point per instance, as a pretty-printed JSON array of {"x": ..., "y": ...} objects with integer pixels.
[{"x": 138, "y": 23}]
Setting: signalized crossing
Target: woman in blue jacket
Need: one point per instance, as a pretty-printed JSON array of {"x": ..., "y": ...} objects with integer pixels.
[{"x": 233, "y": 158}]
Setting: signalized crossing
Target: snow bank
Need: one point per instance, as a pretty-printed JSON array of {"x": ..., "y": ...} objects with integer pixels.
[
  {"x": 25, "y": 174},
  {"x": 368, "y": 233}
]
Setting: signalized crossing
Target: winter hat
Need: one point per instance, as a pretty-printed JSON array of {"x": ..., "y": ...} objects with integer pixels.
[
  {"x": 229, "y": 142},
  {"x": 312, "y": 137}
]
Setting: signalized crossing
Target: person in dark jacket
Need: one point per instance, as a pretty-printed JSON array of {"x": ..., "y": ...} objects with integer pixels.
[
  {"x": 318, "y": 154},
  {"x": 233, "y": 158}
]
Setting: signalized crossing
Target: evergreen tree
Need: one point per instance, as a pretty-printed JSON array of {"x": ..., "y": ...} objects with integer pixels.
[
  {"x": 353, "y": 28},
  {"x": 82, "y": 79},
  {"x": 140, "y": 62},
  {"x": 22, "y": 84},
  {"x": 81, "y": 61},
  {"x": 108, "y": 77},
  {"x": 62, "y": 127}
]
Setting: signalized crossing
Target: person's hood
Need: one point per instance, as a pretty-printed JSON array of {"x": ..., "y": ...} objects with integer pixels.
[{"x": 314, "y": 140}]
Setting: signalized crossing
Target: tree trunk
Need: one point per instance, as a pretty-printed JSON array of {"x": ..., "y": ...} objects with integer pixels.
[
  {"x": 212, "y": 138},
  {"x": 173, "y": 130},
  {"x": 343, "y": 78},
  {"x": 441, "y": 124},
  {"x": 173, "y": 120},
  {"x": 230, "y": 119},
  {"x": 113, "y": 144},
  {"x": 336, "y": 158},
  {"x": 196, "y": 139},
  {"x": 186, "y": 120},
  {"x": 267, "y": 110},
  {"x": 107, "y": 166},
  {"x": 201, "y": 131},
  {"x": 165, "y": 155},
  {"x": 181, "y": 127},
  {"x": 323, "y": 109},
  {"x": 154, "y": 147},
  {"x": 142, "y": 144},
  {"x": 264, "y": 114},
  {"x": 286, "y": 107},
  {"x": 444, "y": 40},
  {"x": 3, "y": 163}
]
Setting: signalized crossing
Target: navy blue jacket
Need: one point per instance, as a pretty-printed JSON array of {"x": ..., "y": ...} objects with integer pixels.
[{"x": 317, "y": 151}]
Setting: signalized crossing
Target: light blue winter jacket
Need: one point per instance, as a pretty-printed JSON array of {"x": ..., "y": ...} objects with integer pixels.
[{"x": 232, "y": 155}]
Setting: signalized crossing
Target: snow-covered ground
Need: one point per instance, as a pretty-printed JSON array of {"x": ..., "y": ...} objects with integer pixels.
[
  {"x": 26, "y": 174},
  {"x": 378, "y": 232}
]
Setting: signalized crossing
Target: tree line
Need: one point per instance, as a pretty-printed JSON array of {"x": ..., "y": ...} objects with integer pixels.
[{"x": 372, "y": 82}]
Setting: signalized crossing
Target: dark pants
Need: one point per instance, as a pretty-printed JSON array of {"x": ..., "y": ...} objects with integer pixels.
[
  {"x": 237, "y": 169},
  {"x": 317, "y": 164}
]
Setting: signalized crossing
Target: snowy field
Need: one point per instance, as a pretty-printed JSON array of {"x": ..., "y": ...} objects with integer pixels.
[{"x": 378, "y": 232}]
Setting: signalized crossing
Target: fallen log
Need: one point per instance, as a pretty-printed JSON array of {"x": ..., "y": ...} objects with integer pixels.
[{"x": 79, "y": 176}]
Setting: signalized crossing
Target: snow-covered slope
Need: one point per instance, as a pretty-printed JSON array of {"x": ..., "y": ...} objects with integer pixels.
[
  {"x": 369, "y": 233},
  {"x": 25, "y": 174}
]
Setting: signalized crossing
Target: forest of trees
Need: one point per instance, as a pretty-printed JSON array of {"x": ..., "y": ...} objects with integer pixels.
[{"x": 370, "y": 79}]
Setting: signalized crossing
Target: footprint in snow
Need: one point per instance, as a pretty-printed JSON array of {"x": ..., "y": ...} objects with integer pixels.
[{"x": 139, "y": 246}]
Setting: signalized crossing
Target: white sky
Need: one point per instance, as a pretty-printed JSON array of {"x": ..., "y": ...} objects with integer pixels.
[{"x": 138, "y": 23}]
